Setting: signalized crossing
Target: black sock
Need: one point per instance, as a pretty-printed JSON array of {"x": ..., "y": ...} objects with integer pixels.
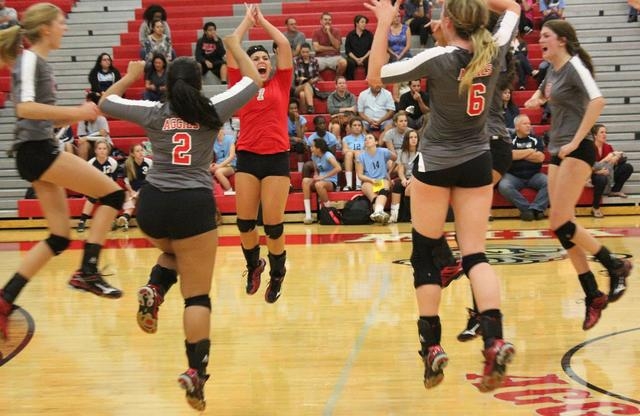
[
  {"x": 491, "y": 326},
  {"x": 198, "y": 355},
  {"x": 276, "y": 264},
  {"x": 475, "y": 305},
  {"x": 84, "y": 217},
  {"x": 90, "y": 258},
  {"x": 13, "y": 287},
  {"x": 589, "y": 284},
  {"x": 430, "y": 331},
  {"x": 162, "y": 278},
  {"x": 252, "y": 256},
  {"x": 608, "y": 261}
]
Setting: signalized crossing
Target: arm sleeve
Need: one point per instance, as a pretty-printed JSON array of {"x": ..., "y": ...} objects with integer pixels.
[{"x": 235, "y": 97}]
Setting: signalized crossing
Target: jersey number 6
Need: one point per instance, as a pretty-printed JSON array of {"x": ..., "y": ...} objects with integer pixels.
[
  {"x": 475, "y": 99},
  {"x": 180, "y": 154}
]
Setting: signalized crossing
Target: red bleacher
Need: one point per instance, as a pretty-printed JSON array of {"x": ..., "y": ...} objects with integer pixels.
[{"x": 22, "y": 5}]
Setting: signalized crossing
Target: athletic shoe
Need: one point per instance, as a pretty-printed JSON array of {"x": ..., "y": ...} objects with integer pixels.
[
  {"x": 193, "y": 384},
  {"x": 594, "y": 309},
  {"x": 229, "y": 192},
  {"x": 308, "y": 221},
  {"x": 618, "y": 277},
  {"x": 274, "y": 290},
  {"x": 380, "y": 217},
  {"x": 435, "y": 360},
  {"x": 473, "y": 327},
  {"x": 5, "y": 311},
  {"x": 253, "y": 277},
  {"x": 451, "y": 273},
  {"x": 95, "y": 284},
  {"x": 149, "y": 301},
  {"x": 82, "y": 225},
  {"x": 346, "y": 188},
  {"x": 123, "y": 222},
  {"x": 495, "y": 365}
]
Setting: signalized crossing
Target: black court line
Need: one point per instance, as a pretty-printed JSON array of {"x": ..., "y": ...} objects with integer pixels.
[
  {"x": 31, "y": 328},
  {"x": 566, "y": 366}
]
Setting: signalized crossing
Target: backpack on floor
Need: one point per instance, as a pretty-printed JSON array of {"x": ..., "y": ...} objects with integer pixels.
[
  {"x": 329, "y": 216},
  {"x": 357, "y": 211}
]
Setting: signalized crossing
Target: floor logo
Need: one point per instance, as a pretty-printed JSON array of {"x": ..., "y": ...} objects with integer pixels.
[{"x": 21, "y": 329}]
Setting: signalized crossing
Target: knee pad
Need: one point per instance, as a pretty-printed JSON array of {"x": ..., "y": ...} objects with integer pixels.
[
  {"x": 274, "y": 231},
  {"x": 200, "y": 300},
  {"x": 565, "y": 234},
  {"x": 425, "y": 271},
  {"x": 57, "y": 243},
  {"x": 471, "y": 260},
  {"x": 383, "y": 192},
  {"x": 442, "y": 254},
  {"x": 114, "y": 199},
  {"x": 246, "y": 225}
]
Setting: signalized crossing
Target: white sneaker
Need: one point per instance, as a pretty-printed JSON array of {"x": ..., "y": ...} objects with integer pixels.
[
  {"x": 380, "y": 217},
  {"x": 308, "y": 221},
  {"x": 229, "y": 192},
  {"x": 394, "y": 217}
]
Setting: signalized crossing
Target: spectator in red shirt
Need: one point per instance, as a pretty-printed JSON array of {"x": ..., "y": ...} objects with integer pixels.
[{"x": 326, "y": 43}]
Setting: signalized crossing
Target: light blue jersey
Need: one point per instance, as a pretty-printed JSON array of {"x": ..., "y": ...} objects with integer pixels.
[
  {"x": 354, "y": 142},
  {"x": 221, "y": 149},
  {"x": 375, "y": 166},
  {"x": 324, "y": 166}
]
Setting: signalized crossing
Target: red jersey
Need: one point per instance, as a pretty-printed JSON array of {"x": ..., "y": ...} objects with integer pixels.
[{"x": 263, "y": 120}]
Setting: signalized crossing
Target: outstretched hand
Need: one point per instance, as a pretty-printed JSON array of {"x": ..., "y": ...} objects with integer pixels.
[
  {"x": 250, "y": 13},
  {"x": 88, "y": 111},
  {"x": 383, "y": 10},
  {"x": 136, "y": 69}
]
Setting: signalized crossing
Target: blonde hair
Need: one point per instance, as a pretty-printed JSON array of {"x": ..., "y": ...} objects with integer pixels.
[
  {"x": 32, "y": 20},
  {"x": 470, "y": 18},
  {"x": 130, "y": 163}
]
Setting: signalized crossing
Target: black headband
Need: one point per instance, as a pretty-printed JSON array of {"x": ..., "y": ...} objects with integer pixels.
[{"x": 256, "y": 48}]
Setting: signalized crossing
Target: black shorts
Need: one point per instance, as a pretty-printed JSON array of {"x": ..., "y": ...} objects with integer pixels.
[
  {"x": 261, "y": 166},
  {"x": 501, "y": 153},
  {"x": 177, "y": 214},
  {"x": 473, "y": 173},
  {"x": 586, "y": 152},
  {"x": 34, "y": 158}
]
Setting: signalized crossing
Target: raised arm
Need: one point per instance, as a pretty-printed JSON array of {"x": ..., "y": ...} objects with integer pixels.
[
  {"x": 240, "y": 58},
  {"x": 384, "y": 12},
  {"x": 246, "y": 23},
  {"x": 134, "y": 73},
  {"x": 284, "y": 58}
]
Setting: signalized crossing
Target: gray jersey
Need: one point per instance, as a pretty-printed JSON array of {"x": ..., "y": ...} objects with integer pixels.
[
  {"x": 455, "y": 132},
  {"x": 33, "y": 81},
  {"x": 569, "y": 91},
  {"x": 182, "y": 151}
]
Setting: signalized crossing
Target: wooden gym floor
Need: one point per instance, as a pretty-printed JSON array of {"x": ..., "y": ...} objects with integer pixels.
[{"x": 342, "y": 340}]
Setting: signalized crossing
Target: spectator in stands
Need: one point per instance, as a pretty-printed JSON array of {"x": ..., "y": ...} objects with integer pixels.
[
  {"x": 155, "y": 79},
  {"x": 297, "y": 127},
  {"x": 136, "y": 168},
  {"x": 64, "y": 135},
  {"x": 39, "y": 161},
  {"x": 306, "y": 75},
  {"x": 157, "y": 43},
  {"x": 294, "y": 36},
  {"x": 341, "y": 105},
  {"x": 415, "y": 103},
  {"x": 576, "y": 103},
  {"x": 399, "y": 40},
  {"x": 224, "y": 164},
  {"x": 371, "y": 167},
  {"x": 525, "y": 172},
  {"x": 521, "y": 58},
  {"x": 152, "y": 13},
  {"x": 103, "y": 74},
  {"x": 633, "y": 15},
  {"x": 90, "y": 131},
  {"x": 406, "y": 158},
  {"x": 376, "y": 108},
  {"x": 510, "y": 109},
  {"x": 417, "y": 13},
  {"x": 526, "y": 16},
  {"x": 357, "y": 46},
  {"x": 610, "y": 172},
  {"x": 393, "y": 138},
  {"x": 105, "y": 164},
  {"x": 324, "y": 178},
  {"x": 321, "y": 132},
  {"x": 352, "y": 145},
  {"x": 551, "y": 9},
  {"x": 326, "y": 43},
  {"x": 8, "y": 15},
  {"x": 210, "y": 52}
]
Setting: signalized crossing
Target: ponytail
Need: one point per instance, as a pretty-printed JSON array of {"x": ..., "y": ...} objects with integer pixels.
[
  {"x": 10, "y": 43},
  {"x": 485, "y": 50},
  {"x": 191, "y": 106}
]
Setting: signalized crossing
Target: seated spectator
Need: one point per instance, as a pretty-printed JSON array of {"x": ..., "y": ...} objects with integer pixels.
[
  {"x": 151, "y": 13},
  {"x": 510, "y": 109},
  {"x": 406, "y": 158},
  {"x": 297, "y": 127},
  {"x": 525, "y": 25},
  {"x": 321, "y": 132},
  {"x": 224, "y": 163},
  {"x": 376, "y": 108},
  {"x": 324, "y": 178},
  {"x": 393, "y": 138},
  {"x": 357, "y": 46},
  {"x": 341, "y": 105},
  {"x": 107, "y": 165},
  {"x": 521, "y": 59},
  {"x": 551, "y": 9},
  {"x": 633, "y": 15},
  {"x": 155, "y": 79},
  {"x": 326, "y": 43},
  {"x": 157, "y": 43},
  {"x": 417, "y": 13},
  {"x": 294, "y": 36},
  {"x": 64, "y": 135},
  {"x": 399, "y": 40},
  {"x": 371, "y": 166},
  {"x": 103, "y": 74},
  {"x": 610, "y": 172},
  {"x": 136, "y": 168},
  {"x": 8, "y": 16},
  {"x": 90, "y": 132},
  {"x": 352, "y": 145},
  {"x": 525, "y": 172},
  {"x": 210, "y": 52},
  {"x": 415, "y": 103},
  {"x": 306, "y": 75}
]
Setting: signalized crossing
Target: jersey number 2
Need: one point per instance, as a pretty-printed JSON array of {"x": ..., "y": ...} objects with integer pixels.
[
  {"x": 475, "y": 99},
  {"x": 180, "y": 154}
]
